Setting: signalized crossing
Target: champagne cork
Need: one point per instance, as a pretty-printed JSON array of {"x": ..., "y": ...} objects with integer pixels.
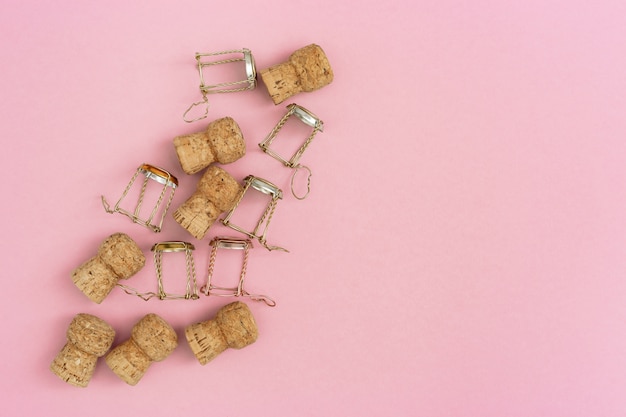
[
  {"x": 118, "y": 257},
  {"x": 88, "y": 338},
  {"x": 221, "y": 142},
  {"x": 152, "y": 340},
  {"x": 306, "y": 70},
  {"x": 216, "y": 193},
  {"x": 233, "y": 327}
]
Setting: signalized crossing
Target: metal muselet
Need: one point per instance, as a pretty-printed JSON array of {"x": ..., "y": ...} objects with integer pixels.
[
  {"x": 152, "y": 175},
  {"x": 211, "y": 288},
  {"x": 260, "y": 230},
  {"x": 207, "y": 60},
  {"x": 306, "y": 117},
  {"x": 159, "y": 249}
]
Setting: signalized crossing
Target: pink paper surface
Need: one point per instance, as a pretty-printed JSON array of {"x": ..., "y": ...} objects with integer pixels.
[{"x": 462, "y": 249}]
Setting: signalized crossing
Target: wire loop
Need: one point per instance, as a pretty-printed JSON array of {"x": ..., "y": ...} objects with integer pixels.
[
  {"x": 308, "y": 181},
  {"x": 204, "y": 101}
]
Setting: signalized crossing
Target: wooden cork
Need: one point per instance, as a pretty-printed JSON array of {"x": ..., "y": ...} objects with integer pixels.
[
  {"x": 88, "y": 338},
  {"x": 221, "y": 142},
  {"x": 152, "y": 340},
  {"x": 306, "y": 70},
  {"x": 118, "y": 257},
  {"x": 216, "y": 193},
  {"x": 233, "y": 327}
]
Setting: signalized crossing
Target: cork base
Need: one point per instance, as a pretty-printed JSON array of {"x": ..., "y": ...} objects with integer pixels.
[
  {"x": 281, "y": 82},
  {"x": 205, "y": 340},
  {"x": 128, "y": 362},
  {"x": 197, "y": 215},
  {"x": 95, "y": 279},
  {"x": 74, "y": 366}
]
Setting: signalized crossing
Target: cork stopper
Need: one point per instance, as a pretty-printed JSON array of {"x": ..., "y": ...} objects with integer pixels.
[
  {"x": 88, "y": 338},
  {"x": 118, "y": 258},
  {"x": 306, "y": 70},
  {"x": 152, "y": 340},
  {"x": 216, "y": 193},
  {"x": 233, "y": 327},
  {"x": 221, "y": 142}
]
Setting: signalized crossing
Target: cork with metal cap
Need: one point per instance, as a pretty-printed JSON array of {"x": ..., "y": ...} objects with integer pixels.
[
  {"x": 306, "y": 70},
  {"x": 222, "y": 142},
  {"x": 118, "y": 258},
  {"x": 152, "y": 340},
  {"x": 233, "y": 327},
  {"x": 88, "y": 338},
  {"x": 216, "y": 192}
]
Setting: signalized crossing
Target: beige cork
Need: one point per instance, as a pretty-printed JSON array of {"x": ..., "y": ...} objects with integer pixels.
[
  {"x": 118, "y": 257},
  {"x": 233, "y": 327},
  {"x": 222, "y": 142},
  {"x": 88, "y": 338},
  {"x": 216, "y": 193},
  {"x": 152, "y": 340},
  {"x": 306, "y": 70}
]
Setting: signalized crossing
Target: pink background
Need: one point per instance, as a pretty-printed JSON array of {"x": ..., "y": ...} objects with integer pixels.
[{"x": 462, "y": 249}]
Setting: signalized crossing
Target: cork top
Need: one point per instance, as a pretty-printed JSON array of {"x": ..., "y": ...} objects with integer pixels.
[
  {"x": 312, "y": 67},
  {"x": 122, "y": 255},
  {"x": 90, "y": 334},
  {"x": 220, "y": 186},
  {"x": 155, "y": 337},
  {"x": 226, "y": 140},
  {"x": 237, "y": 325}
]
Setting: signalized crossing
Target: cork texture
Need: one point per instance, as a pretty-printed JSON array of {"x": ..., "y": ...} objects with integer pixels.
[
  {"x": 221, "y": 142},
  {"x": 155, "y": 337},
  {"x": 95, "y": 279},
  {"x": 128, "y": 362},
  {"x": 118, "y": 257},
  {"x": 152, "y": 340},
  {"x": 88, "y": 338},
  {"x": 90, "y": 334},
  {"x": 223, "y": 189},
  {"x": 237, "y": 324},
  {"x": 194, "y": 152},
  {"x": 233, "y": 327},
  {"x": 306, "y": 70},
  {"x": 197, "y": 215},
  {"x": 74, "y": 366},
  {"x": 216, "y": 192},
  {"x": 205, "y": 340},
  {"x": 226, "y": 139},
  {"x": 122, "y": 255}
]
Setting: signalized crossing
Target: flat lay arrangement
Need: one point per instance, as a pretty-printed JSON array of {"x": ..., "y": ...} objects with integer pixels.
[
  {"x": 216, "y": 197},
  {"x": 439, "y": 231}
]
